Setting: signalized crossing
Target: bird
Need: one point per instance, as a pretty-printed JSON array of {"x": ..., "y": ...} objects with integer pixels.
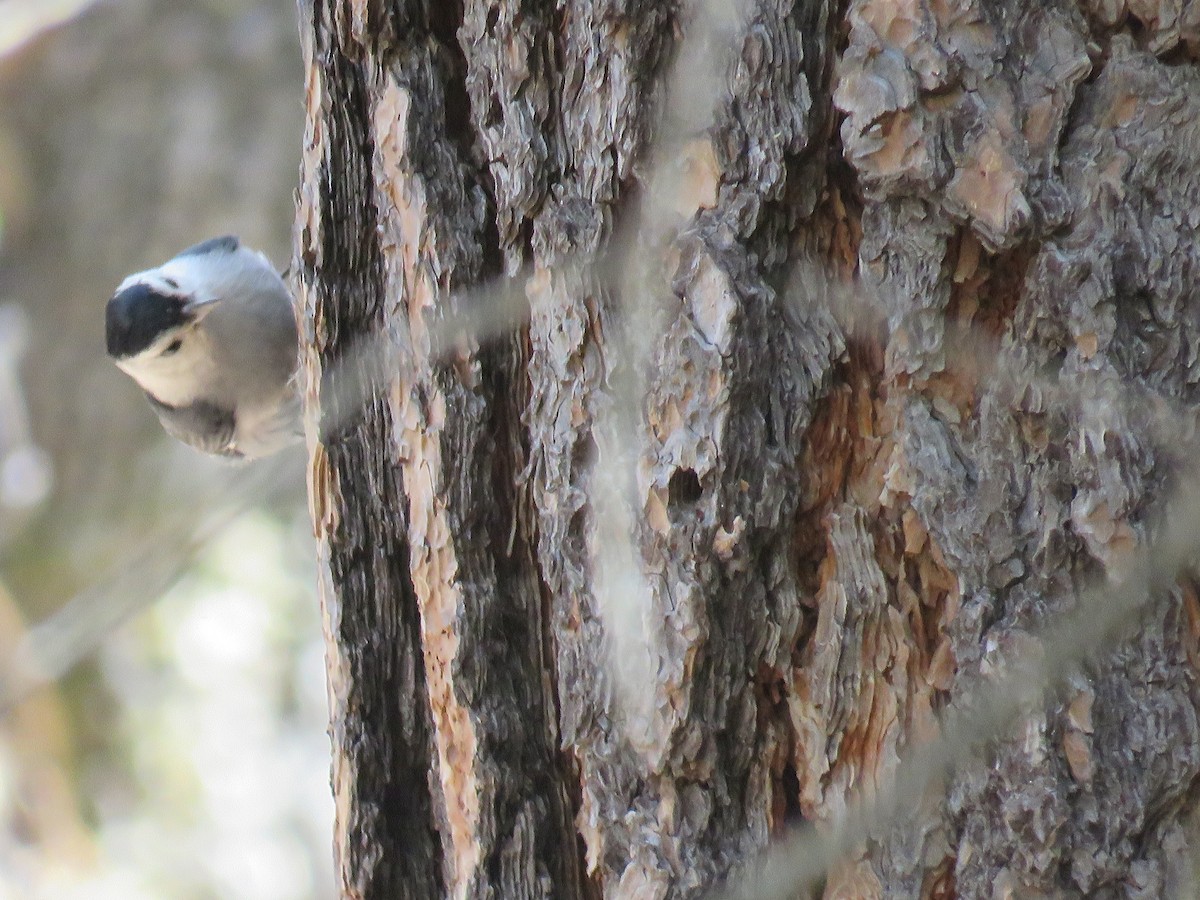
[{"x": 210, "y": 336}]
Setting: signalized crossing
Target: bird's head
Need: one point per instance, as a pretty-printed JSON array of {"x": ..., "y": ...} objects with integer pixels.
[{"x": 153, "y": 331}]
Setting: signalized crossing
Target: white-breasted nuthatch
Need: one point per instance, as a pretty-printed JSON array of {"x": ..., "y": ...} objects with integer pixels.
[{"x": 210, "y": 336}]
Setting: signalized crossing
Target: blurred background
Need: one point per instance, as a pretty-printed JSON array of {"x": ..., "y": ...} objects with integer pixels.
[{"x": 163, "y": 723}]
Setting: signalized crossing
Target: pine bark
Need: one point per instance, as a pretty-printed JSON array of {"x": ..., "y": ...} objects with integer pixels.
[{"x": 924, "y": 365}]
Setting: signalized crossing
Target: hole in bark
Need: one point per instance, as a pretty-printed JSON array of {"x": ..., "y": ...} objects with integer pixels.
[
  {"x": 527, "y": 237},
  {"x": 444, "y": 20},
  {"x": 493, "y": 17},
  {"x": 769, "y": 422},
  {"x": 790, "y": 786},
  {"x": 583, "y": 456},
  {"x": 684, "y": 488}
]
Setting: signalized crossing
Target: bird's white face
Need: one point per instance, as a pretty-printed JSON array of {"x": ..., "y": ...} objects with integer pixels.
[
  {"x": 177, "y": 359},
  {"x": 168, "y": 367}
]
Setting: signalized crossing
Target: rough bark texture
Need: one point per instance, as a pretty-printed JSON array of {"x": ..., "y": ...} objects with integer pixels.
[
  {"x": 847, "y": 524},
  {"x": 446, "y": 767}
]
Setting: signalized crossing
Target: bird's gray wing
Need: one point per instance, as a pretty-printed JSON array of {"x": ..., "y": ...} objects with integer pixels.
[
  {"x": 205, "y": 426},
  {"x": 226, "y": 244}
]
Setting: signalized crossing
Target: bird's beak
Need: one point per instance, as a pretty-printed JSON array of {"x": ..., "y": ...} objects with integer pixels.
[{"x": 196, "y": 310}]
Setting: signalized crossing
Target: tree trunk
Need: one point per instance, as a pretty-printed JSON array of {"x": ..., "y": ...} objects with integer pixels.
[{"x": 914, "y": 385}]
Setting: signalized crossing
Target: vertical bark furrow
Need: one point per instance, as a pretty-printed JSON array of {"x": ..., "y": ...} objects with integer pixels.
[
  {"x": 459, "y": 447},
  {"x": 515, "y": 93},
  {"x": 726, "y": 599},
  {"x": 720, "y": 483},
  {"x": 467, "y": 590},
  {"x": 386, "y": 842},
  {"x": 603, "y": 60},
  {"x": 736, "y": 378}
]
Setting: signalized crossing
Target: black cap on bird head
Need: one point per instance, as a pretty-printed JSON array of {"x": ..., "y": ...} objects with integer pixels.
[{"x": 138, "y": 315}]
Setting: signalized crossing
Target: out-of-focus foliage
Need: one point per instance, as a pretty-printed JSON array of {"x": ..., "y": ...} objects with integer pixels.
[
  {"x": 216, "y": 704},
  {"x": 187, "y": 758}
]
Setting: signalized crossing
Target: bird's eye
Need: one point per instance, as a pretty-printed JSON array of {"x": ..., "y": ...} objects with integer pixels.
[
  {"x": 172, "y": 347},
  {"x": 171, "y": 282}
]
